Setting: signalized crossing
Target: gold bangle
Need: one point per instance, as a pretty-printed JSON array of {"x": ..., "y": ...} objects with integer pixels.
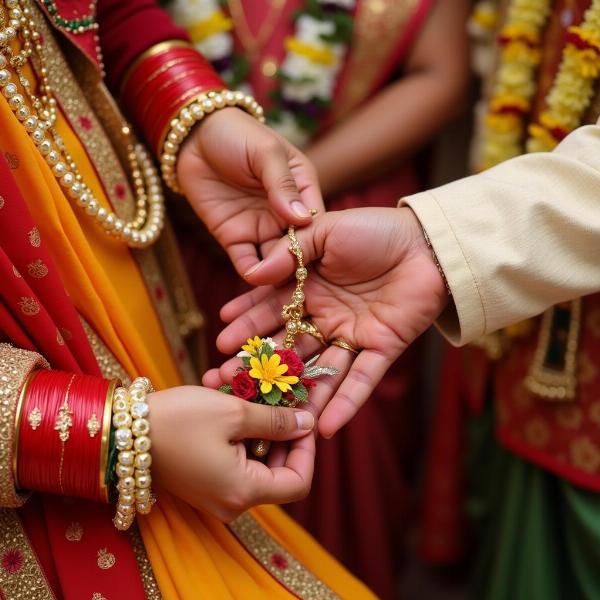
[
  {"x": 192, "y": 113},
  {"x": 18, "y": 417},
  {"x": 105, "y": 439}
]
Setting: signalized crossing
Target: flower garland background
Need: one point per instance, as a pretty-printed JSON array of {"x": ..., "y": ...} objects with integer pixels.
[{"x": 309, "y": 72}]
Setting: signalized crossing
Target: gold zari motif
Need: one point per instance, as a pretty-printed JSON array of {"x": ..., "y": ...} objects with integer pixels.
[{"x": 15, "y": 366}]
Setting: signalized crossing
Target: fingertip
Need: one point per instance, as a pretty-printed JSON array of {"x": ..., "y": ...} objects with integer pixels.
[
  {"x": 304, "y": 420},
  {"x": 212, "y": 378}
]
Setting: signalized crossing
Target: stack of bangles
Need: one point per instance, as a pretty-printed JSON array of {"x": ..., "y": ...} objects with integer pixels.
[{"x": 85, "y": 437}]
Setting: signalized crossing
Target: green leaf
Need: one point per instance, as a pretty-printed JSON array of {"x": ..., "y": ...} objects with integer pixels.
[
  {"x": 300, "y": 392},
  {"x": 246, "y": 361},
  {"x": 266, "y": 349},
  {"x": 226, "y": 389},
  {"x": 273, "y": 397}
]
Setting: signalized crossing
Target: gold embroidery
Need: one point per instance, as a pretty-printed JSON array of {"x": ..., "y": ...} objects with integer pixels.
[
  {"x": 12, "y": 160},
  {"x": 109, "y": 365},
  {"x": 16, "y": 272},
  {"x": 98, "y": 596},
  {"x": 60, "y": 340},
  {"x": 537, "y": 432},
  {"x": 35, "y": 418},
  {"x": 569, "y": 417},
  {"x": 377, "y": 27},
  {"x": 1, "y": 202},
  {"x": 20, "y": 574},
  {"x": 29, "y": 306},
  {"x": 144, "y": 566},
  {"x": 74, "y": 532},
  {"x": 93, "y": 425},
  {"x": 34, "y": 237},
  {"x": 64, "y": 417},
  {"x": 37, "y": 269},
  {"x": 585, "y": 454},
  {"x": 15, "y": 367},
  {"x": 106, "y": 559},
  {"x": 278, "y": 561},
  {"x": 65, "y": 333}
]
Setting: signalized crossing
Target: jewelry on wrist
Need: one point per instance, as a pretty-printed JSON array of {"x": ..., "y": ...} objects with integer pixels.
[
  {"x": 132, "y": 440},
  {"x": 59, "y": 449},
  {"x": 437, "y": 262},
  {"x": 192, "y": 113}
]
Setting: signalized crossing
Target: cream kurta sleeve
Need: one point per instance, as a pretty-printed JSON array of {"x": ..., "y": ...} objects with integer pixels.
[{"x": 518, "y": 238}]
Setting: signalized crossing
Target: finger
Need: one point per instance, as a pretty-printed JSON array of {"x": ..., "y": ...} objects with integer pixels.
[
  {"x": 288, "y": 483},
  {"x": 260, "y": 320},
  {"x": 272, "y": 168},
  {"x": 234, "y": 308},
  {"x": 274, "y": 423},
  {"x": 278, "y": 455},
  {"x": 364, "y": 374},
  {"x": 212, "y": 379},
  {"x": 243, "y": 256},
  {"x": 280, "y": 263}
]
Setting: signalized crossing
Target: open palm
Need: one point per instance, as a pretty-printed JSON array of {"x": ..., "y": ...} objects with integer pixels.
[
  {"x": 375, "y": 285},
  {"x": 246, "y": 184}
]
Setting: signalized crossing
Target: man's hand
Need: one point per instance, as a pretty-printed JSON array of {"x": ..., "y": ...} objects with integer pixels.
[
  {"x": 246, "y": 183},
  {"x": 375, "y": 285}
]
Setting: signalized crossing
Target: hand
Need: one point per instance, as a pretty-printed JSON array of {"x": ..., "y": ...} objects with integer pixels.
[
  {"x": 199, "y": 455},
  {"x": 376, "y": 285},
  {"x": 246, "y": 183}
]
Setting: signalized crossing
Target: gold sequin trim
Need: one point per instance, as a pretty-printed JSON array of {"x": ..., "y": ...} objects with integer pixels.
[
  {"x": 109, "y": 365},
  {"x": 278, "y": 561},
  {"x": 144, "y": 566},
  {"x": 15, "y": 366},
  {"x": 21, "y": 576},
  {"x": 377, "y": 28},
  {"x": 93, "y": 425}
]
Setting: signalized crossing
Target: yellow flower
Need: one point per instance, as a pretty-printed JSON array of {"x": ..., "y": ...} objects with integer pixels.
[
  {"x": 269, "y": 372},
  {"x": 252, "y": 345}
]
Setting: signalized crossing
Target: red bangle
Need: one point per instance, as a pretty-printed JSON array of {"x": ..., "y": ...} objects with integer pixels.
[
  {"x": 160, "y": 84},
  {"x": 61, "y": 435}
]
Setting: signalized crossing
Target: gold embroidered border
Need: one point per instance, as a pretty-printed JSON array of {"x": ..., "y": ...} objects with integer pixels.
[
  {"x": 110, "y": 367},
  {"x": 377, "y": 27},
  {"x": 15, "y": 366},
  {"x": 84, "y": 121},
  {"x": 21, "y": 575},
  {"x": 278, "y": 561},
  {"x": 146, "y": 573}
]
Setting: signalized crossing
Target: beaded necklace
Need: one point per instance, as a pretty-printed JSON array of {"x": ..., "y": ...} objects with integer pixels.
[{"x": 38, "y": 114}]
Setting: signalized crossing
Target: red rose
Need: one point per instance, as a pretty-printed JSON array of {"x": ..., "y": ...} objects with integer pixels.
[
  {"x": 243, "y": 386},
  {"x": 292, "y": 360},
  {"x": 308, "y": 383}
]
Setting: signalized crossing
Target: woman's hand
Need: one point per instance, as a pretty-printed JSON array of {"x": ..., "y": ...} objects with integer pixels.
[
  {"x": 199, "y": 454},
  {"x": 246, "y": 183},
  {"x": 375, "y": 285}
]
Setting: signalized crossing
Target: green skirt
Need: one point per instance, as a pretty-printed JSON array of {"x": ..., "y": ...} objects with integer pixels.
[{"x": 538, "y": 536}]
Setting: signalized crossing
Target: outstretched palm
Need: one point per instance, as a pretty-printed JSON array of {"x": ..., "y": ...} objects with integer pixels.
[
  {"x": 246, "y": 184},
  {"x": 375, "y": 285}
]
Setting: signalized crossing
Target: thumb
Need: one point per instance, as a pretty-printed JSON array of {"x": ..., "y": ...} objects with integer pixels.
[
  {"x": 271, "y": 167},
  {"x": 274, "y": 422},
  {"x": 280, "y": 263}
]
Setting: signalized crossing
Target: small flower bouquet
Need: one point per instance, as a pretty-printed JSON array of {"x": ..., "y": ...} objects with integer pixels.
[{"x": 275, "y": 376}]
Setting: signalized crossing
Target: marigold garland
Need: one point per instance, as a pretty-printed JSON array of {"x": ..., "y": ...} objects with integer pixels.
[
  {"x": 504, "y": 124},
  {"x": 574, "y": 85}
]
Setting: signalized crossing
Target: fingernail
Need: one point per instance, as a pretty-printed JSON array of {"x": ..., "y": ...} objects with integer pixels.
[
  {"x": 299, "y": 209},
  {"x": 254, "y": 268},
  {"x": 305, "y": 420}
]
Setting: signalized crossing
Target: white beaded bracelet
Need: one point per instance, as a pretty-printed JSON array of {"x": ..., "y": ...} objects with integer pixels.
[{"x": 191, "y": 114}]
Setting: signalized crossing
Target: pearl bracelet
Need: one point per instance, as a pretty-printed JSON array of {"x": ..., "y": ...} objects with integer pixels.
[
  {"x": 133, "y": 442},
  {"x": 191, "y": 114}
]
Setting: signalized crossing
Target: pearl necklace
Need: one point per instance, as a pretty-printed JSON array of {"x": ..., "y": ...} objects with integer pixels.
[{"x": 39, "y": 119}]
